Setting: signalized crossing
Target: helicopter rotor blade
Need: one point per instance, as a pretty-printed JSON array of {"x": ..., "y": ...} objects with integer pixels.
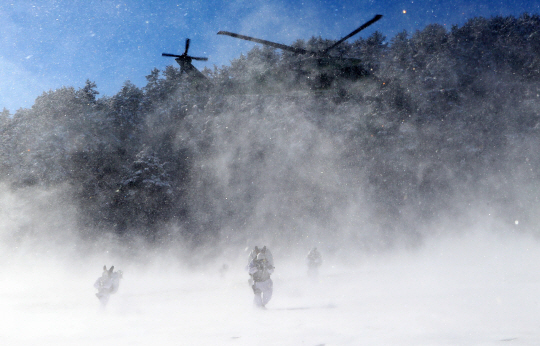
[
  {"x": 187, "y": 46},
  {"x": 362, "y": 27},
  {"x": 267, "y": 43},
  {"x": 173, "y": 55}
]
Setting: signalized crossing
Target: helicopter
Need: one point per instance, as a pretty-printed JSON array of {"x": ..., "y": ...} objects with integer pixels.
[
  {"x": 184, "y": 61},
  {"x": 320, "y": 65}
]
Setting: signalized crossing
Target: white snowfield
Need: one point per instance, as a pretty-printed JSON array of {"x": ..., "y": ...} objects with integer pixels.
[{"x": 476, "y": 290}]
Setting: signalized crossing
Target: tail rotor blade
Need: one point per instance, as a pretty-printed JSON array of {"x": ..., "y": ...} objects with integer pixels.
[{"x": 184, "y": 58}]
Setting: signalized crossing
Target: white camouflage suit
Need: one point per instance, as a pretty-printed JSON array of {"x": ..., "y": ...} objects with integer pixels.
[
  {"x": 314, "y": 261},
  {"x": 107, "y": 284},
  {"x": 253, "y": 255},
  {"x": 260, "y": 269}
]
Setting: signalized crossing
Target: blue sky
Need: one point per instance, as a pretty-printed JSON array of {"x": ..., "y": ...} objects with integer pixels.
[{"x": 48, "y": 44}]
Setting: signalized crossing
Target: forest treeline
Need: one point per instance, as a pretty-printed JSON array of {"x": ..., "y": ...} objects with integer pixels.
[{"x": 446, "y": 121}]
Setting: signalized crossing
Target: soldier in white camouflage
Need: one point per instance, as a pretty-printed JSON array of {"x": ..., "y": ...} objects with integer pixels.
[
  {"x": 260, "y": 270},
  {"x": 107, "y": 284},
  {"x": 314, "y": 261}
]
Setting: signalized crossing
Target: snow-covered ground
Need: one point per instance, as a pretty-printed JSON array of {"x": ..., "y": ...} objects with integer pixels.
[{"x": 473, "y": 290}]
